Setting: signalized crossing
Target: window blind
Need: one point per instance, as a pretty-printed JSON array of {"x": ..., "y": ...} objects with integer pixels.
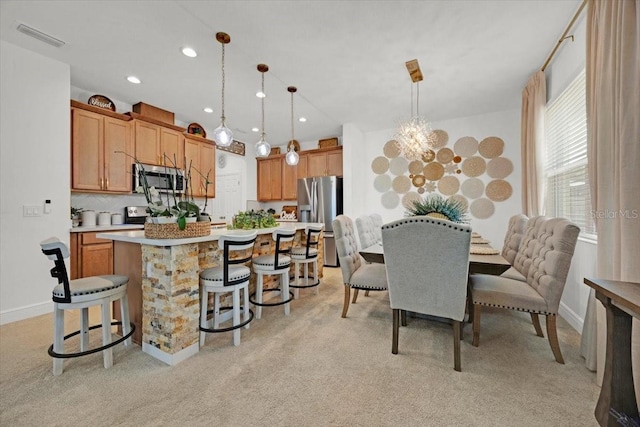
[{"x": 566, "y": 174}]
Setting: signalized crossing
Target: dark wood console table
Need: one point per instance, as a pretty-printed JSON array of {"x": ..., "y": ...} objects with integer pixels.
[{"x": 617, "y": 396}]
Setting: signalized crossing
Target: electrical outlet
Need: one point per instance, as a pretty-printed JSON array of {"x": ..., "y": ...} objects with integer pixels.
[{"x": 31, "y": 210}]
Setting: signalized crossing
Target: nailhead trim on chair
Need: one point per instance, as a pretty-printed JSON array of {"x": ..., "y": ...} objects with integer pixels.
[
  {"x": 431, "y": 221},
  {"x": 365, "y": 287},
  {"x": 546, "y": 313},
  {"x": 58, "y": 291}
]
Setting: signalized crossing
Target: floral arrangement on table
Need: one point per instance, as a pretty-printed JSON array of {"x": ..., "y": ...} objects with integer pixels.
[
  {"x": 249, "y": 220},
  {"x": 176, "y": 208},
  {"x": 434, "y": 205}
]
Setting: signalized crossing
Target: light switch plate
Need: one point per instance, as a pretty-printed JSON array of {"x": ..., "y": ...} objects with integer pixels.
[{"x": 31, "y": 210}]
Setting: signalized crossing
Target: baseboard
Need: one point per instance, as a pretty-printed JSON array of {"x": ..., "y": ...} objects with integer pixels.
[
  {"x": 26, "y": 312},
  {"x": 171, "y": 359},
  {"x": 571, "y": 317}
]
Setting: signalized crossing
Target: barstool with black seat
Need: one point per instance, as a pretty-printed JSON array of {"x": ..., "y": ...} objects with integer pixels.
[
  {"x": 82, "y": 294},
  {"x": 277, "y": 263},
  {"x": 229, "y": 277},
  {"x": 305, "y": 255}
]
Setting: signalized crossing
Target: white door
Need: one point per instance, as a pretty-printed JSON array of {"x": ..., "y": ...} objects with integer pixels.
[{"x": 228, "y": 199}]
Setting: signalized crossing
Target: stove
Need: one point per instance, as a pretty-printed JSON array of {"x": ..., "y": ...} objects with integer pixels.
[{"x": 135, "y": 214}]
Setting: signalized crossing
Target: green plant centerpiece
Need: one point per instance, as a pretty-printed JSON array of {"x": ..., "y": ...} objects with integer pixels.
[
  {"x": 436, "y": 206},
  {"x": 249, "y": 220}
]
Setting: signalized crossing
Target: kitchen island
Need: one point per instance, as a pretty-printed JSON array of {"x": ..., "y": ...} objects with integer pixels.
[{"x": 164, "y": 290}]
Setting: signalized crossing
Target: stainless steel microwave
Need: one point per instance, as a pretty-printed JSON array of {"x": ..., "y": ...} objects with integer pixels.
[{"x": 164, "y": 179}]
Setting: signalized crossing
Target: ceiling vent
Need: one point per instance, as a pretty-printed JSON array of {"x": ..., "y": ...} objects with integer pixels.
[{"x": 40, "y": 35}]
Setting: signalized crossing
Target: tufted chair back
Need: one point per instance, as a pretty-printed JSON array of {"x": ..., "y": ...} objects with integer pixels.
[
  {"x": 345, "y": 236},
  {"x": 522, "y": 261},
  {"x": 377, "y": 226},
  {"x": 427, "y": 262},
  {"x": 366, "y": 231},
  {"x": 515, "y": 233},
  {"x": 550, "y": 253}
]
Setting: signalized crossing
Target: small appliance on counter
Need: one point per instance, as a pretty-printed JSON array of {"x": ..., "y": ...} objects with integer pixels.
[{"x": 135, "y": 214}]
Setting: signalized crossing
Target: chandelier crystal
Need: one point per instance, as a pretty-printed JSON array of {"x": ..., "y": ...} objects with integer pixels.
[
  {"x": 263, "y": 148},
  {"x": 292, "y": 156},
  {"x": 222, "y": 135},
  {"x": 414, "y": 136}
]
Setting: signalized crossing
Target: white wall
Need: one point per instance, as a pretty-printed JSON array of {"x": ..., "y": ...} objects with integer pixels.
[{"x": 35, "y": 165}]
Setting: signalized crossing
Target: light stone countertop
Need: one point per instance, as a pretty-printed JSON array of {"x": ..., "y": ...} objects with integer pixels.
[
  {"x": 137, "y": 236},
  {"x": 82, "y": 229}
]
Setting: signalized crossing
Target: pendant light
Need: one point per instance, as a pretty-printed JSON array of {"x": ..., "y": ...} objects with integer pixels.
[
  {"x": 222, "y": 135},
  {"x": 262, "y": 147},
  {"x": 414, "y": 135},
  {"x": 292, "y": 156}
]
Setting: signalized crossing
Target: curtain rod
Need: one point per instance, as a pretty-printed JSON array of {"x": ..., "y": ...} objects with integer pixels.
[{"x": 563, "y": 37}]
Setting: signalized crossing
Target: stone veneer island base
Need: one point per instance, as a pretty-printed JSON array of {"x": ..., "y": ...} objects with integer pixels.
[{"x": 164, "y": 291}]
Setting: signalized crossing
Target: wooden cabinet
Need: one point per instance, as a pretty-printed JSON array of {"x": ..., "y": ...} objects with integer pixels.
[
  {"x": 325, "y": 162},
  {"x": 200, "y": 154},
  {"x": 90, "y": 256},
  {"x": 279, "y": 181},
  {"x": 270, "y": 179},
  {"x": 98, "y": 142},
  {"x": 289, "y": 181},
  {"x": 158, "y": 145}
]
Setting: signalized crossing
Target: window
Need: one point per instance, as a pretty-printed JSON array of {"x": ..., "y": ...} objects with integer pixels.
[{"x": 566, "y": 175}]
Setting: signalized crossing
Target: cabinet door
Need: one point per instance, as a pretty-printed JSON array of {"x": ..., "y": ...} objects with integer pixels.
[
  {"x": 117, "y": 166},
  {"x": 334, "y": 163},
  {"x": 208, "y": 166},
  {"x": 317, "y": 164},
  {"x": 96, "y": 259},
  {"x": 147, "y": 140},
  {"x": 276, "y": 178},
  {"x": 87, "y": 150},
  {"x": 192, "y": 159},
  {"x": 73, "y": 246},
  {"x": 171, "y": 147},
  {"x": 264, "y": 180},
  {"x": 302, "y": 166},
  {"x": 289, "y": 181}
]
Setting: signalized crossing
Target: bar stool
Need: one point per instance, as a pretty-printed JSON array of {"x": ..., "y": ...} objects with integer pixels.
[
  {"x": 82, "y": 294},
  {"x": 224, "y": 279},
  {"x": 307, "y": 254},
  {"x": 276, "y": 263}
]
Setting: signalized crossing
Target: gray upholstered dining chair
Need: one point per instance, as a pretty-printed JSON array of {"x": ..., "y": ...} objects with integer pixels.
[
  {"x": 515, "y": 232},
  {"x": 427, "y": 261},
  {"x": 376, "y": 219},
  {"x": 366, "y": 231},
  {"x": 544, "y": 258},
  {"x": 356, "y": 274}
]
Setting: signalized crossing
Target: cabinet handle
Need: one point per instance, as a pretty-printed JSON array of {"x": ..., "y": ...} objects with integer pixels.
[
  {"x": 106, "y": 187},
  {"x": 102, "y": 183}
]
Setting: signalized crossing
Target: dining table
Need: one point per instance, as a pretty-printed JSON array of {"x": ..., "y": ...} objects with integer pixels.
[{"x": 493, "y": 264}]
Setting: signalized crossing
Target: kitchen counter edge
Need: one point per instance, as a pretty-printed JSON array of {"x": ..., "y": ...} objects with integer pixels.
[{"x": 137, "y": 236}]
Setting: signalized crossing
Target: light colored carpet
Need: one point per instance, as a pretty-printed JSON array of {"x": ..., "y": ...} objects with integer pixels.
[{"x": 311, "y": 368}]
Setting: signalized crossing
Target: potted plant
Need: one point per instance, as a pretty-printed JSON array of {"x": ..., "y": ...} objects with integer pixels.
[
  {"x": 75, "y": 216},
  {"x": 436, "y": 206},
  {"x": 249, "y": 220}
]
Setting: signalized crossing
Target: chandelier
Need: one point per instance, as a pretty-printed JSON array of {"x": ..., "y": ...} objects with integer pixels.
[
  {"x": 414, "y": 136},
  {"x": 222, "y": 135},
  {"x": 292, "y": 157},
  {"x": 263, "y": 148}
]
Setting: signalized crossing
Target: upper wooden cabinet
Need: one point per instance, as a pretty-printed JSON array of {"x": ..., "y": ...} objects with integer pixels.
[
  {"x": 98, "y": 141},
  {"x": 270, "y": 178},
  {"x": 289, "y": 181},
  {"x": 200, "y": 154},
  {"x": 158, "y": 144},
  {"x": 324, "y": 162}
]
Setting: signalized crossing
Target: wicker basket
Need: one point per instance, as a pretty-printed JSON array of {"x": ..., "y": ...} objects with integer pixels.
[{"x": 172, "y": 231}]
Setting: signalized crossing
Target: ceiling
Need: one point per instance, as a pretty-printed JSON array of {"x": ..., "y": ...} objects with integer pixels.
[{"x": 346, "y": 58}]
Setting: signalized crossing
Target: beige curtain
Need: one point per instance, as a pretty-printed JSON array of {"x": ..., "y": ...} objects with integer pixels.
[
  {"x": 613, "y": 141},
  {"x": 534, "y": 99}
]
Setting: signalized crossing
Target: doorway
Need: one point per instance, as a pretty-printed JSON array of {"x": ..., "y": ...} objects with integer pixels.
[{"x": 229, "y": 199}]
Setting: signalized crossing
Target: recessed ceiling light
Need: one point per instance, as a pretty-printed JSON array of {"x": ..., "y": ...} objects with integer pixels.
[
  {"x": 254, "y": 129},
  {"x": 302, "y": 119},
  {"x": 187, "y": 51},
  {"x": 261, "y": 94},
  {"x": 208, "y": 110},
  {"x": 133, "y": 79}
]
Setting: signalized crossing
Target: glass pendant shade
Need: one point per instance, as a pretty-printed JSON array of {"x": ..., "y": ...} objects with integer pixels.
[
  {"x": 223, "y": 136},
  {"x": 263, "y": 148},
  {"x": 292, "y": 157}
]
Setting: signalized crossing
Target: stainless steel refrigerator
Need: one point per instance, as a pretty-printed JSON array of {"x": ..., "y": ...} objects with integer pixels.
[{"x": 320, "y": 200}]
